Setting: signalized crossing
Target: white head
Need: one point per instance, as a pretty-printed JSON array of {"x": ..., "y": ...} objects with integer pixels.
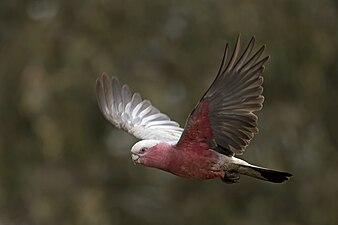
[
  {"x": 149, "y": 152},
  {"x": 141, "y": 148}
]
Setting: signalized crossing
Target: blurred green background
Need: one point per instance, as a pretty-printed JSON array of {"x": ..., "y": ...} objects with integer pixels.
[{"x": 61, "y": 162}]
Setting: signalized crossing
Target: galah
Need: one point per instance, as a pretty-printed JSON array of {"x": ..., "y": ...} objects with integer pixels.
[{"x": 219, "y": 128}]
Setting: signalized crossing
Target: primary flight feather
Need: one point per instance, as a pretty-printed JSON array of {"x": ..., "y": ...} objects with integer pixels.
[{"x": 220, "y": 127}]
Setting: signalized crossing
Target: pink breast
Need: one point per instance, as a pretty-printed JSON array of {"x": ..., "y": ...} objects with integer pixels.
[{"x": 195, "y": 163}]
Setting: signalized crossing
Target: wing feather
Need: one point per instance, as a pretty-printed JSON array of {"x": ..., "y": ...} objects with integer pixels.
[
  {"x": 129, "y": 112},
  {"x": 226, "y": 110}
]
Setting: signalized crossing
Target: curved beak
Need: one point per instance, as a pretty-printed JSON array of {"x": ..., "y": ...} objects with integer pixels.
[{"x": 135, "y": 158}]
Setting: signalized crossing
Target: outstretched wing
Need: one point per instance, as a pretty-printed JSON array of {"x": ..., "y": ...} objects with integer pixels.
[
  {"x": 224, "y": 117},
  {"x": 129, "y": 112}
]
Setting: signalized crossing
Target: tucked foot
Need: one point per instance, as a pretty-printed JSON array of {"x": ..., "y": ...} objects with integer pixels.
[{"x": 230, "y": 177}]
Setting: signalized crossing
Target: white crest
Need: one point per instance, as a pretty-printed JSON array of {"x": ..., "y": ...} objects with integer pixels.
[{"x": 143, "y": 144}]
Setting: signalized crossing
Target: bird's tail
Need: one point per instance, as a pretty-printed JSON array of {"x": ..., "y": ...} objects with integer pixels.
[{"x": 264, "y": 174}]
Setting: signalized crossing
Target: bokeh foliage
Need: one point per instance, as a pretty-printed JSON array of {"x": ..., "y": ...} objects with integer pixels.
[{"x": 62, "y": 163}]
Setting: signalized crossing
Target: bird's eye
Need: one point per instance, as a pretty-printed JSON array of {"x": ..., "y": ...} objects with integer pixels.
[{"x": 143, "y": 150}]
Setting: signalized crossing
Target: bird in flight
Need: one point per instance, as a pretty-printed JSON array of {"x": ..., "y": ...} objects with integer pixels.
[{"x": 218, "y": 129}]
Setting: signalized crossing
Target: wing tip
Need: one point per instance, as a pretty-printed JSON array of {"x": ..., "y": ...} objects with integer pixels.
[
  {"x": 239, "y": 37},
  {"x": 105, "y": 78}
]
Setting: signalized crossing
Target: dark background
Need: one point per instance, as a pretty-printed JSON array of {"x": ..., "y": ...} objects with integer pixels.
[{"x": 62, "y": 163}]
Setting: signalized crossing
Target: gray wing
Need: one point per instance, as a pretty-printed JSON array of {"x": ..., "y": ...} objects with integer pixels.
[
  {"x": 226, "y": 111},
  {"x": 129, "y": 112}
]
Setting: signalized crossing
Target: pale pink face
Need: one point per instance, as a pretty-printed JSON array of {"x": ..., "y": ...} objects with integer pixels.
[{"x": 150, "y": 153}]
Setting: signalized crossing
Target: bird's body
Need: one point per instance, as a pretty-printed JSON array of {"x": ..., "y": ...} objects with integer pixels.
[
  {"x": 197, "y": 161},
  {"x": 220, "y": 127}
]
